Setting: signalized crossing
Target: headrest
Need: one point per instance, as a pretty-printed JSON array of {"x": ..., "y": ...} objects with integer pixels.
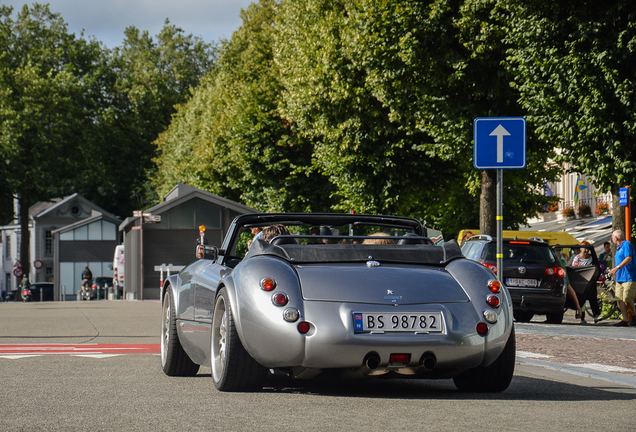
[{"x": 283, "y": 240}]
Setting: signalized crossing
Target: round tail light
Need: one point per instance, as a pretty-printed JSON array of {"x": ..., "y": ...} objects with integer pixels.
[
  {"x": 303, "y": 327},
  {"x": 280, "y": 299},
  {"x": 494, "y": 286},
  {"x": 482, "y": 328},
  {"x": 268, "y": 284},
  {"x": 493, "y": 301}
]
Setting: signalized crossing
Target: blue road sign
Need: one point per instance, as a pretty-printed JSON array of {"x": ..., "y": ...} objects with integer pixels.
[
  {"x": 622, "y": 196},
  {"x": 500, "y": 143}
]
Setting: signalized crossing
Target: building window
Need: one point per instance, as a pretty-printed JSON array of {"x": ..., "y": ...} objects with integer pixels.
[
  {"x": 49, "y": 274},
  {"x": 7, "y": 251},
  {"x": 48, "y": 243}
]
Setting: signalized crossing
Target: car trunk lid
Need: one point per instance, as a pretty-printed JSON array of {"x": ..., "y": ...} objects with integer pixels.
[{"x": 382, "y": 284}]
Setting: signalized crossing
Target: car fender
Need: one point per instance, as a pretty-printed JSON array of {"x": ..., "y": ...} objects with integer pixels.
[
  {"x": 171, "y": 283},
  {"x": 474, "y": 278},
  {"x": 266, "y": 336}
]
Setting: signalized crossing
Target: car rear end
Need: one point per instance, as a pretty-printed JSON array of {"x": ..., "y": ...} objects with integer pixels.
[
  {"x": 376, "y": 317},
  {"x": 533, "y": 275}
]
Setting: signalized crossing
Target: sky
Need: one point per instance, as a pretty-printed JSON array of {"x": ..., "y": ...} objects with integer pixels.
[{"x": 106, "y": 20}]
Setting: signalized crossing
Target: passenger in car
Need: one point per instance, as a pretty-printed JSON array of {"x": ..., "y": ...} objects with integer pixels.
[
  {"x": 272, "y": 231},
  {"x": 380, "y": 240}
]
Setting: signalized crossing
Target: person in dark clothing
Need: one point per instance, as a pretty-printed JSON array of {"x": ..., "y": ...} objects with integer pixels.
[{"x": 87, "y": 278}]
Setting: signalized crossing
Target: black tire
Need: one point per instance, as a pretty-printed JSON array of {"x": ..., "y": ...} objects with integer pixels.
[
  {"x": 554, "y": 318},
  {"x": 174, "y": 360},
  {"x": 233, "y": 369},
  {"x": 523, "y": 316},
  {"x": 494, "y": 378}
]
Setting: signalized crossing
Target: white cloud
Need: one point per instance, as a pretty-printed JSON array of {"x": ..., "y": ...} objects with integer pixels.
[{"x": 106, "y": 20}]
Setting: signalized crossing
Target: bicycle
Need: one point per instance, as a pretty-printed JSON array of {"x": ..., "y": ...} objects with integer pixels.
[{"x": 607, "y": 299}]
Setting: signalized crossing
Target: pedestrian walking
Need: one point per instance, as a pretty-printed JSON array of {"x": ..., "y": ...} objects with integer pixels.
[{"x": 625, "y": 272}]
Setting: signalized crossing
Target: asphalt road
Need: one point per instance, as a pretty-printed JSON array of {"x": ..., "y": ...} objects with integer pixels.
[{"x": 86, "y": 390}]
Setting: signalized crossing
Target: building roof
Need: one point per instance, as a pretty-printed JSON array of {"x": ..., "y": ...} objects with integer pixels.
[
  {"x": 94, "y": 217},
  {"x": 48, "y": 210},
  {"x": 182, "y": 193}
]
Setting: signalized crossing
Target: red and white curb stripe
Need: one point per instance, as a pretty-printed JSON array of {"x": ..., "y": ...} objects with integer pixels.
[{"x": 81, "y": 350}]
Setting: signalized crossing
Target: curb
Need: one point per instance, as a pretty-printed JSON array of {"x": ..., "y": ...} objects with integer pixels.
[{"x": 581, "y": 371}]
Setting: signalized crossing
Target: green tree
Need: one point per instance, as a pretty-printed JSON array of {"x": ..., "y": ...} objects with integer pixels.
[
  {"x": 230, "y": 138},
  {"x": 147, "y": 79},
  {"x": 388, "y": 91},
  {"x": 47, "y": 79},
  {"x": 574, "y": 68}
]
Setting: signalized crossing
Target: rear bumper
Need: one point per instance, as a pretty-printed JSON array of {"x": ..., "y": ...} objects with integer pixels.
[
  {"x": 536, "y": 301},
  {"x": 332, "y": 342}
]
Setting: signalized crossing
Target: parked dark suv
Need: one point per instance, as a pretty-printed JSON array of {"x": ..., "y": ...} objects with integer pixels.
[{"x": 532, "y": 273}]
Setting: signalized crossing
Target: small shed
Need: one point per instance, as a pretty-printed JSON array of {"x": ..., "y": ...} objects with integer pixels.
[
  {"x": 89, "y": 242},
  {"x": 173, "y": 240}
]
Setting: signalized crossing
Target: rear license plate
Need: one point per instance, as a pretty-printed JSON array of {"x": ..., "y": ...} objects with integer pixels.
[
  {"x": 522, "y": 282},
  {"x": 418, "y": 322}
]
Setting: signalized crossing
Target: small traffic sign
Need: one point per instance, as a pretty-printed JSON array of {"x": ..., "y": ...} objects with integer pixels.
[
  {"x": 500, "y": 143},
  {"x": 622, "y": 196}
]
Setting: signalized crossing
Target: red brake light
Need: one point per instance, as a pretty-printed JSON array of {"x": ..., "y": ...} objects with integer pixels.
[
  {"x": 303, "y": 327},
  {"x": 280, "y": 299},
  {"x": 268, "y": 284},
  {"x": 400, "y": 358},
  {"x": 561, "y": 272},
  {"x": 94, "y": 286},
  {"x": 519, "y": 242},
  {"x": 482, "y": 328},
  {"x": 26, "y": 292},
  {"x": 494, "y": 286},
  {"x": 493, "y": 301}
]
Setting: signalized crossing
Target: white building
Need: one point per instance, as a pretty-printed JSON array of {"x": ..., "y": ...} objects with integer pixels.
[{"x": 46, "y": 218}]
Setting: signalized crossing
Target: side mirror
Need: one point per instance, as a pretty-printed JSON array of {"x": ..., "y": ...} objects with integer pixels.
[{"x": 207, "y": 252}]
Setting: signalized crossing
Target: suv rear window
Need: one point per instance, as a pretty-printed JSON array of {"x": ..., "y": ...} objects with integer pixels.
[{"x": 520, "y": 253}]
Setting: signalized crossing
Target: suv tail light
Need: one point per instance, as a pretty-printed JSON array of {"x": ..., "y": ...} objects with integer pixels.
[
  {"x": 555, "y": 271},
  {"x": 492, "y": 267}
]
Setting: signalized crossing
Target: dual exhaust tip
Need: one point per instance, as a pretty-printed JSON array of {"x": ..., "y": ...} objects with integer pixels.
[{"x": 427, "y": 362}]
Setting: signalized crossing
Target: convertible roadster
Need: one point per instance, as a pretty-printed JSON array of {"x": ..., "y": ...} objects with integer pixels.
[{"x": 341, "y": 294}]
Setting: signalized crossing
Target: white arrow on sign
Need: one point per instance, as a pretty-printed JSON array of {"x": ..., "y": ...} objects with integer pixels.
[{"x": 500, "y": 132}]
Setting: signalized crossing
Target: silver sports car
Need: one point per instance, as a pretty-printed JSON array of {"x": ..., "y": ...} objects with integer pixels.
[{"x": 359, "y": 295}]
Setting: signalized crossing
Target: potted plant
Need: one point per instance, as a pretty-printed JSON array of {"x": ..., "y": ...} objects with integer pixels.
[
  {"x": 585, "y": 210},
  {"x": 601, "y": 208},
  {"x": 568, "y": 212},
  {"x": 552, "y": 207}
]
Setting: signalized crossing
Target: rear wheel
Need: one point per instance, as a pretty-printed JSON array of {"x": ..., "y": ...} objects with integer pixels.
[
  {"x": 233, "y": 369},
  {"x": 493, "y": 378},
  {"x": 554, "y": 318},
  {"x": 174, "y": 360},
  {"x": 523, "y": 316}
]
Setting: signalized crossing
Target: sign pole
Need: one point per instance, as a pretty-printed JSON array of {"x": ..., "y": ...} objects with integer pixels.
[{"x": 500, "y": 225}]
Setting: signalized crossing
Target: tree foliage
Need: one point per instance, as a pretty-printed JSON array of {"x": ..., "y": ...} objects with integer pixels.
[
  {"x": 230, "y": 138},
  {"x": 388, "y": 91},
  {"x": 48, "y": 79},
  {"x": 574, "y": 68}
]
